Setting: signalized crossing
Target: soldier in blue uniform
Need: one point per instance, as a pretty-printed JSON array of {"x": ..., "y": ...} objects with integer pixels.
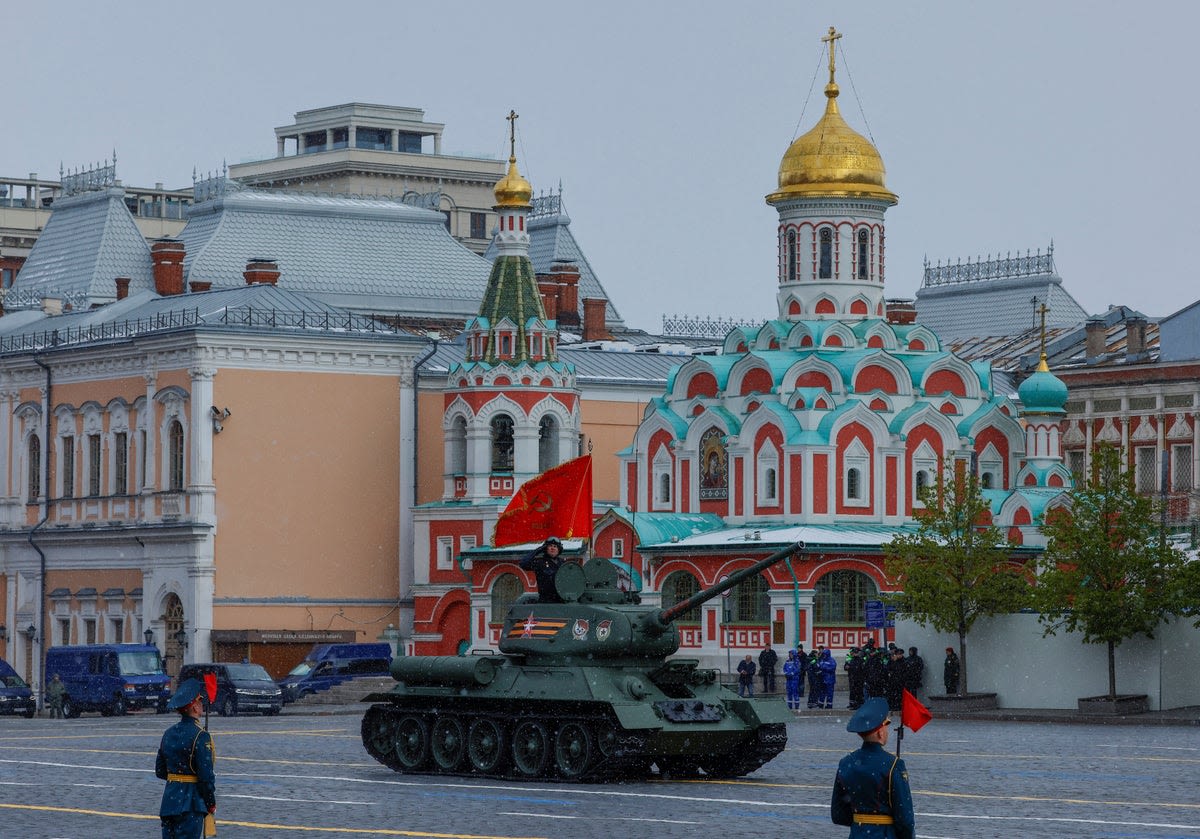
[
  {"x": 870, "y": 793},
  {"x": 185, "y": 762}
]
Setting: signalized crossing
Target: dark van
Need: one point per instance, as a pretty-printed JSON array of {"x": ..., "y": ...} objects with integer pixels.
[
  {"x": 109, "y": 678},
  {"x": 327, "y": 665},
  {"x": 240, "y": 687},
  {"x": 16, "y": 697}
]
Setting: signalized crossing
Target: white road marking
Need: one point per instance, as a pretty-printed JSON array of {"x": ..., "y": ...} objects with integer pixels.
[
  {"x": 599, "y": 818},
  {"x": 298, "y": 800}
]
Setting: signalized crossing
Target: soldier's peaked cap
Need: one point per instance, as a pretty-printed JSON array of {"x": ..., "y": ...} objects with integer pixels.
[
  {"x": 869, "y": 717},
  {"x": 186, "y": 694}
]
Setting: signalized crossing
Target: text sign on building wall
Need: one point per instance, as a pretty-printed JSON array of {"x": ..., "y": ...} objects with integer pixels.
[{"x": 879, "y": 615}]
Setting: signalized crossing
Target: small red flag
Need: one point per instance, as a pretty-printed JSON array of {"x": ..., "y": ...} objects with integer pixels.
[
  {"x": 557, "y": 502},
  {"x": 912, "y": 713},
  {"x": 210, "y": 686}
]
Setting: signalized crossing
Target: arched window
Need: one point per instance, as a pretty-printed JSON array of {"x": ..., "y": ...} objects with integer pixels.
[
  {"x": 922, "y": 481},
  {"x": 505, "y": 591},
  {"x": 853, "y": 483},
  {"x": 175, "y": 450},
  {"x": 547, "y": 443},
  {"x": 677, "y": 587},
  {"x": 749, "y": 601},
  {"x": 864, "y": 266},
  {"x": 502, "y": 443},
  {"x": 791, "y": 257},
  {"x": 661, "y": 487},
  {"x": 986, "y": 480},
  {"x": 768, "y": 476},
  {"x": 456, "y": 439},
  {"x": 841, "y": 597},
  {"x": 825, "y": 271},
  {"x": 34, "y": 481}
]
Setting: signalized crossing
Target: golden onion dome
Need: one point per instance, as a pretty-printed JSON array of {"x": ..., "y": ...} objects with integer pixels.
[
  {"x": 513, "y": 190},
  {"x": 832, "y": 161}
]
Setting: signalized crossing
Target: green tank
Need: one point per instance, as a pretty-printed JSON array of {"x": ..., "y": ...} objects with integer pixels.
[{"x": 581, "y": 690}]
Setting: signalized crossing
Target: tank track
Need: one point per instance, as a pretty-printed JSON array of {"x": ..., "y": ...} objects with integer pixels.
[{"x": 587, "y": 745}]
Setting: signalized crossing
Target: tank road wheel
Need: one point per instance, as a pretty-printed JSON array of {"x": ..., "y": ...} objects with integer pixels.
[
  {"x": 606, "y": 740},
  {"x": 412, "y": 743},
  {"x": 572, "y": 750},
  {"x": 448, "y": 743},
  {"x": 531, "y": 748},
  {"x": 485, "y": 746},
  {"x": 379, "y": 735}
]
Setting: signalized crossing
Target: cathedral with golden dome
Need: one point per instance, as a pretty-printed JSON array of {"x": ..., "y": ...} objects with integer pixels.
[{"x": 821, "y": 426}]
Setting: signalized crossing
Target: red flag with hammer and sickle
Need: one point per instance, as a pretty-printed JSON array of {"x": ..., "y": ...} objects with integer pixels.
[{"x": 557, "y": 502}]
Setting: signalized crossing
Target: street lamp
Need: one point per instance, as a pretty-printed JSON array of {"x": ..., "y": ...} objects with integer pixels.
[
  {"x": 31, "y": 633},
  {"x": 149, "y": 636},
  {"x": 3, "y": 632},
  {"x": 181, "y": 638}
]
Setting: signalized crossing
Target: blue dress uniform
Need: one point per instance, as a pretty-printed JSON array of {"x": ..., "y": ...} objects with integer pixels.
[
  {"x": 185, "y": 762},
  {"x": 870, "y": 793}
]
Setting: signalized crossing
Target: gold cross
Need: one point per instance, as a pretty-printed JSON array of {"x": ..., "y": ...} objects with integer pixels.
[
  {"x": 1042, "y": 309},
  {"x": 833, "y": 36},
  {"x": 512, "y": 134}
]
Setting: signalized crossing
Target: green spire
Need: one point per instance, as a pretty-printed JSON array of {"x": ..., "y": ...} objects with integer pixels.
[{"x": 512, "y": 294}]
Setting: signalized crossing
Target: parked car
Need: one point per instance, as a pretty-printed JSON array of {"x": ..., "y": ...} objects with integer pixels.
[
  {"x": 327, "y": 665},
  {"x": 240, "y": 687},
  {"x": 110, "y": 678},
  {"x": 16, "y": 697}
]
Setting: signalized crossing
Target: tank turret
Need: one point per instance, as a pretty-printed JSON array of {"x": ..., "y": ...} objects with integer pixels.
[{"x": 581, "y": 689}]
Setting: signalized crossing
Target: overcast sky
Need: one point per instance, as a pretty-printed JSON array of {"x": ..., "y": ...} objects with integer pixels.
[{"x": 1003, "y": 126}]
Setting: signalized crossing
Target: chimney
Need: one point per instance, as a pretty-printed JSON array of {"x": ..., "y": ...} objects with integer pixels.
[
  {"x": 566, "y": 274},
  {"x": 122, "y": 287},
  {"x": 263, "y": 271},
  {"x": 167, "y": 256},
  {"x": 1135, "y": 339},
  {"x": 198, "y": 286},
  {"x": 594, "y": 312},
  {"x": 52, "y": 306},
  {"x": 548, "y": 289},
  {"x": 1096, "y": 341},
  {"x": 901, "y": 311}
]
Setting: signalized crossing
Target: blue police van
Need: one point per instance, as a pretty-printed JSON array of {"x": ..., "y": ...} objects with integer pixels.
[
  {"x": 110, "y": 678},
  {"x": 327, "y": 665},
  {"x": 16, "y": 697}
]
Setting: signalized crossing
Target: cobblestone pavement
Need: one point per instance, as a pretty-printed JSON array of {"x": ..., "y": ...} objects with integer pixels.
[{"x": 306, "y": 774}]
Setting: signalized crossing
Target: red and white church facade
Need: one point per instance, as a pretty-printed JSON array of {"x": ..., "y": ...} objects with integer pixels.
[{"x": 819, "y": 426}]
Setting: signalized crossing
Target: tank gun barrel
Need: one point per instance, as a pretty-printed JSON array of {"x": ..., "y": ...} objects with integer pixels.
[{"x": 665, "y": 616}]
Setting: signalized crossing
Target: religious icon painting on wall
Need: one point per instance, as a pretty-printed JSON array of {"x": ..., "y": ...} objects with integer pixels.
[{"x": 714, "y": 466}]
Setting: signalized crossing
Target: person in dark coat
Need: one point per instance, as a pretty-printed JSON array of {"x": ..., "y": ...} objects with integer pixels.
[
  {"x": 767, "y": 660},
  {"x": 544, "y": 562},
  {"x": 802, "y": 660},
  {"x": 793, "y": 680},
  {"x": 916, "y": 671},
  {"x": 875, "y": 681},
  {"x": 746, "y": 670},
  {"x": 185, "y": 761},
  {"x": 871, "y": 794},
  {"x": 813, "y": 666},
  {"x": 895, "y": 675},
  {"x": 950, "y": 671},
  {"x": 855, "y": 677}
]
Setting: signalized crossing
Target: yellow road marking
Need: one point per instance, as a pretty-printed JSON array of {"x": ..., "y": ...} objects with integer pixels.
[{"x": 373, "y": 831}]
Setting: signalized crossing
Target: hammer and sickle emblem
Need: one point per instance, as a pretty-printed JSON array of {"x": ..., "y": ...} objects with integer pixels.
[{"x": 541, "y": 502}]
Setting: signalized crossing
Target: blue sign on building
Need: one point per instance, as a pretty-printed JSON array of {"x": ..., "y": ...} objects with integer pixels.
[{"x": 879, "y": 615}]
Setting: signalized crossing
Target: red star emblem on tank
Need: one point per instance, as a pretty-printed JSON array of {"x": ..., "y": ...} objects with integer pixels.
[
  {"x": 602, "y": 629},
  {"x": 580, "y": 629},
  {"x": 530, "y": 625}
]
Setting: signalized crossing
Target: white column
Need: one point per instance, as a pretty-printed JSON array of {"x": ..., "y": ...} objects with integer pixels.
[
  {"x": 149, "y": 460},
  {"x": 200, "y": 487},
  {"x": 279, "y": 146},
  {"x": 408, "y": 441}
]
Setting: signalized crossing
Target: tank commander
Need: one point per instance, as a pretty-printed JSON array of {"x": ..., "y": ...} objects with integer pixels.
[{"x": 544, "y": 561}]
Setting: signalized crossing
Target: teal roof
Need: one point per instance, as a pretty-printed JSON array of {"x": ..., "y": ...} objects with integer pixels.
[
  {"x": 792, "y": 430},
  {"x": 1042, "y": 393},
  {"x": 658, "y": 406},
  {"x": 652, "y": 528}
]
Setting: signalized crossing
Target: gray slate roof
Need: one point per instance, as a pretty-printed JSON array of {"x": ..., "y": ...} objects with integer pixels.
[
  {"x": 367, "y": 255},
  {"x": 1005, "y": 306},
  {"x": 550, "y": 241},
  {"x": 89, "y": 241},
  {"x": 259, "y": 308}
]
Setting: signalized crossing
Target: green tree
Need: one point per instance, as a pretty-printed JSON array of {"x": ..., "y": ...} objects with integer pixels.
[
  {"x": 1108, "y": 571},
  {"x": 957, "y": 567}
]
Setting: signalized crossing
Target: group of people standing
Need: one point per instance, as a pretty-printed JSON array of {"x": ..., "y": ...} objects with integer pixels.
[{"x": 871, "y": 671}]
